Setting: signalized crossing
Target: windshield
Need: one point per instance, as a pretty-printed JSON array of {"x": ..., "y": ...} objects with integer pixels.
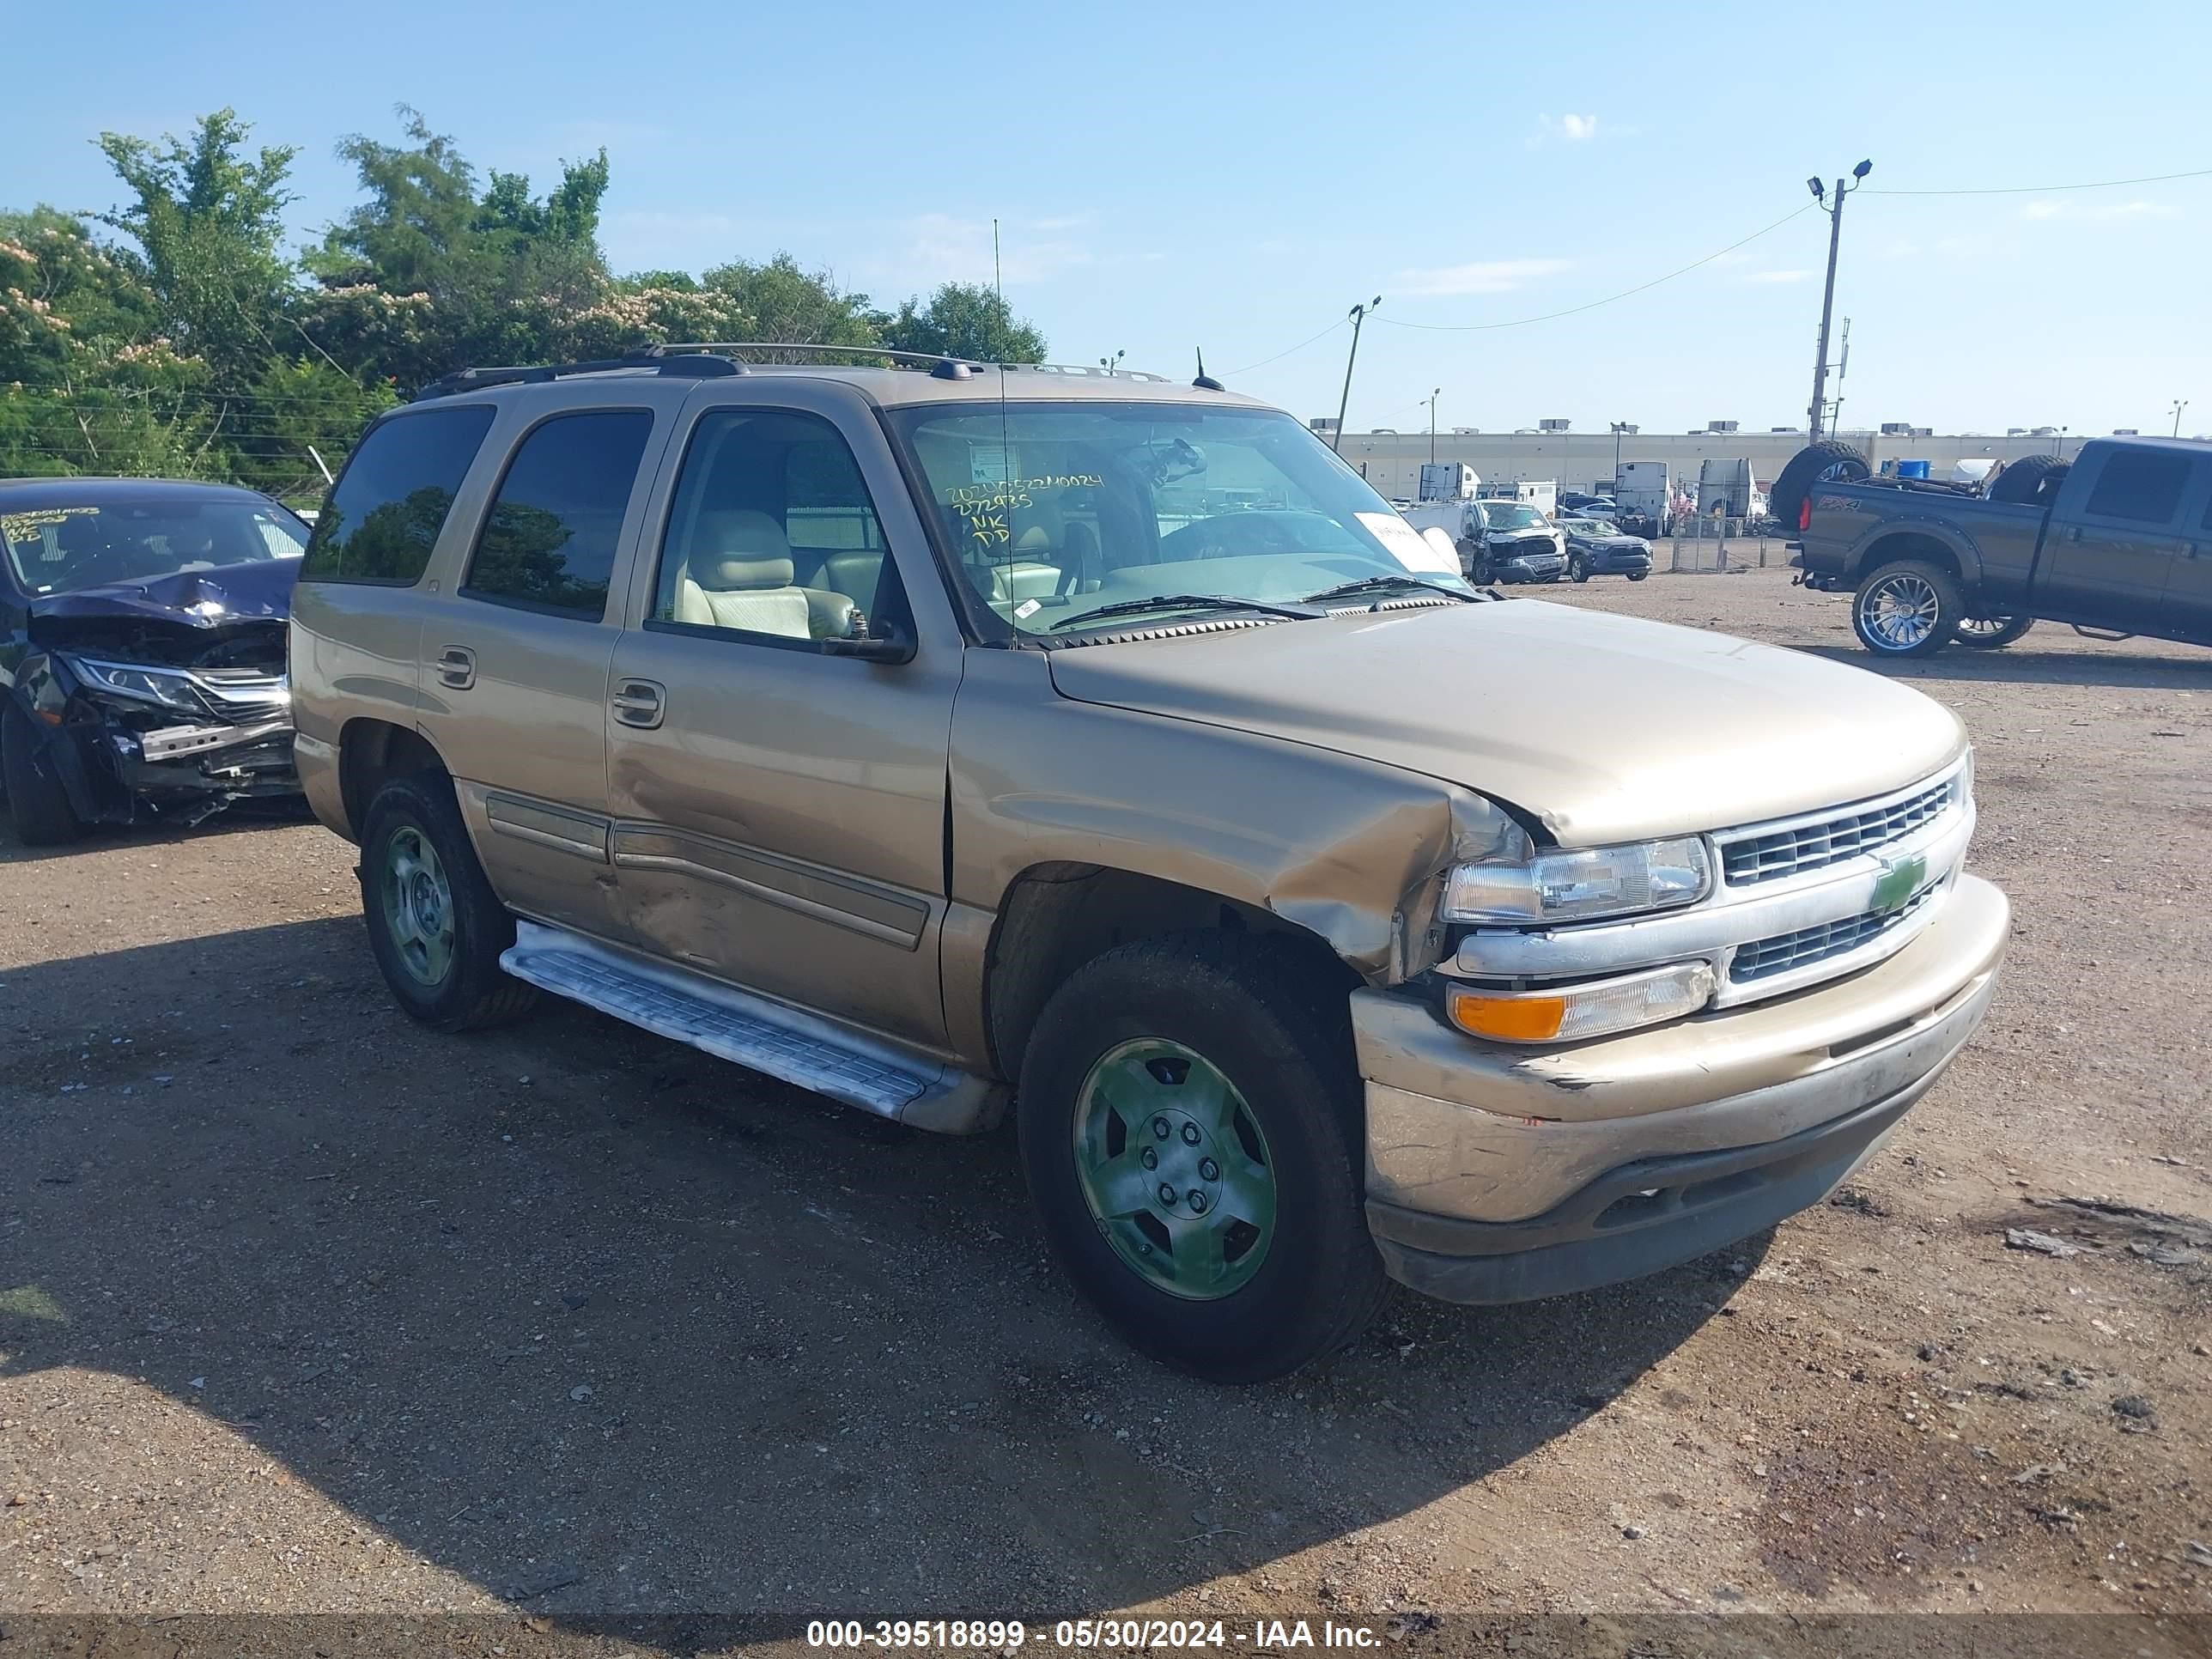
[
  {"x": 1585, "y": 527},
  {"x": 1511, "y": 515},
  {"x": 1054, "y": 510},
  {"x": 59, "y": 549}
]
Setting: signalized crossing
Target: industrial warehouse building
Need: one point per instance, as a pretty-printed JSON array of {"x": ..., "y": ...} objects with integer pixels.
[{"x": 1583, "y": 460}]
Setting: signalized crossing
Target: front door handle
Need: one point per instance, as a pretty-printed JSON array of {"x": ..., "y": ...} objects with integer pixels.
[
  {"x": 456, "y": 667},
  {"x": 639, "y": 703},
  {"x": 2073, "y": 533}
]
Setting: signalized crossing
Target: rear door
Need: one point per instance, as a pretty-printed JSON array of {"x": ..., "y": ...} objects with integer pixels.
[
  {"x": 2115, "y": 535},
  {"x": 514, "y": 660},
  {"x": 778, "y": 810}
]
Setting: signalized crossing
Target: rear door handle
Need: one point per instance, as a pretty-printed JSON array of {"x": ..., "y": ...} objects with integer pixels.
[
  {"x": 2073, "y": 533},
  {"x": 639, "y": 703},
  {"x": 456, "y": 667}
]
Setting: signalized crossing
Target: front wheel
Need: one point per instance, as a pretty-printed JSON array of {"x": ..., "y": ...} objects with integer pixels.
[
  {"x": 38, "y": 805},
  {"x": 1907, "y": 609},
  {"x": 1189, "y": 1113},
  {"x": 1579, "y": 568},
  {"x": 1989, "y": 632},
  {"x": 1638, "y": 575},
  {"x": 435, "y": 925}
]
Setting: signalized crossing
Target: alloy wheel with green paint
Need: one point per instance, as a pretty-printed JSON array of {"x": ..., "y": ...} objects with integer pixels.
[
  {"x": 1176, "y": 1169},
  {"x": 418, "y": 906}
]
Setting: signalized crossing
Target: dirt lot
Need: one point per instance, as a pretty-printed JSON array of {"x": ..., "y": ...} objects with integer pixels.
[{"x": 303, "y": 1309}]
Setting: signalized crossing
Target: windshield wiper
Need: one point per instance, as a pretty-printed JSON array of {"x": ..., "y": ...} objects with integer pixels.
[
  {"x": 1179, "y": 602},
  {"x": 1374, "y": 584}
]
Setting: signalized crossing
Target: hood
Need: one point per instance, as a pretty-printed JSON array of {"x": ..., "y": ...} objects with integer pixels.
[
  {"x": 1603, "y": 728},
  {"x": 228, "y": 613}
]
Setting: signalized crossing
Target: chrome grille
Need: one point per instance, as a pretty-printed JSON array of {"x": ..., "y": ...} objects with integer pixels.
[
  {"x": 1765, "y": 957},
  {"x": 1814, "y": 845},
  {"x": 242, "y": 698}
]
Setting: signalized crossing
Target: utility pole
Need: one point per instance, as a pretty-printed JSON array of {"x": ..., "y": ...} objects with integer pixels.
[
  {"x": 1618, "y": 427},
  {"x": 1358, "y": 315},
  {"x": 2179, "y": 404},
  {"x": 1815, "y": 416},
  {"x": 1435, "y": 394}
]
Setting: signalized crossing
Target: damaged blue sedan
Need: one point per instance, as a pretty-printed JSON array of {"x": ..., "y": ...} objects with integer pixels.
[{"x": 142, "y": 660}]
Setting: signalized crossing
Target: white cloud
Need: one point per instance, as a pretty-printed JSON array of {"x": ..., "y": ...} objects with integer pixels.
[
  {"x": 1776, "y": 275},
  {"x": 941, "y": 248},
  {"x": 2045, "y": 208},
  {"x": 1484, "y": 276},
  {"x": 1575, "y": 129}
]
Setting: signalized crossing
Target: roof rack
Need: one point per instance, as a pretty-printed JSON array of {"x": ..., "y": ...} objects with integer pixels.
[
  {"x": 693, "y": 348},
  {"x": 1095, "y": 372},
  {"x": 476, "y": 379}
]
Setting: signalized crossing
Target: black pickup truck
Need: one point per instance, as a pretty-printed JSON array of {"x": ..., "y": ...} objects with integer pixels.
[{"x": 2117, "y": 542}]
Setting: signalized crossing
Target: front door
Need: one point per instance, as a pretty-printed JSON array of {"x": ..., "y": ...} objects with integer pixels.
[
  {"x": 2189, "y": 580},
  {"x": 514, "y": 664},
  {"x": 2115, "y": 536},
  {"x": 779, "y": 812}
]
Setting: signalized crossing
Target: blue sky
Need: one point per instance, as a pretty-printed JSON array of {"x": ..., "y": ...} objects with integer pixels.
[{"x": 1236, "y": 175}]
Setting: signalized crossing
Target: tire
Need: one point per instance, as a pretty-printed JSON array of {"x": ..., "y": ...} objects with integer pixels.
[
  {"x": 1879, "y": 608},
  {"x": 1283, "y": 1116},
  {"x": 1638, "y": 575},
  {"x": 434, "y": 924},
  {"x": 38, "y": 805},
  {"x": 1992, "y": 632},
  {"x": 1816, "y": 463},
  {"x": 1579, "y": 568},
  {"x": 2027, "y": 480}
]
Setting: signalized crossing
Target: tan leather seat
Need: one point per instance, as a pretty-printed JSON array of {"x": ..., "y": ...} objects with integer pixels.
[{"x": 738, "y": 575}]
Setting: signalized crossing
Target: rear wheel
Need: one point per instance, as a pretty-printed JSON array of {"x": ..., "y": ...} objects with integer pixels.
[
  {"x": 38, "y": 805},
  {"x": 1988, "y": 633},
  {"x": 1817, "y": 463},
  {"x": 1907, "y": 609},
  {"x": 1190, "y": 1117},
  {"x": 1638, "y": 575},
  {"x": 435, "y": 925}
]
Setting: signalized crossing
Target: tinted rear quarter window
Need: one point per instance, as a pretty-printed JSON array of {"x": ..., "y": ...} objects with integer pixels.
[
  {"x": 382, "y": 516},
  {"x": 2141, "y": 486},
  {"x": 549, "y": 541}
]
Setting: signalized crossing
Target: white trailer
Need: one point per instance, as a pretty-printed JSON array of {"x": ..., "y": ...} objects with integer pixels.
[{"x": 1449, "y": 480}]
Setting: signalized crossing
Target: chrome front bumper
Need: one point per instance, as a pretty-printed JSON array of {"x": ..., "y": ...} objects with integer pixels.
[{"x": 1503, "y": 1137}]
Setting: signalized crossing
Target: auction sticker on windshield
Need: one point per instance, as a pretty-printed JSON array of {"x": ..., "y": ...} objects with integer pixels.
[{"x": 1404, "y": 543}]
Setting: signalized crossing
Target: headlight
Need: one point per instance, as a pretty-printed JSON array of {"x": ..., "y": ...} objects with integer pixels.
[
  {"x": 171, "y": 691},
  {"x": 1605, "y": 881}
]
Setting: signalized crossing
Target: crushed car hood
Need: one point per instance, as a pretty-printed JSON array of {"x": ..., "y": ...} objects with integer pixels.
[
  {"x": 232, "y": 611},
  {"x": 1603, "y": 728}
]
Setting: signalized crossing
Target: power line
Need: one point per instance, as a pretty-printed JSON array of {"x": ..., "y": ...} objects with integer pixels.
[
  {"x": 1612, "y": 298},
  {"x": 1300, "y": 346},
  {"x": 2051, "y": 190}
]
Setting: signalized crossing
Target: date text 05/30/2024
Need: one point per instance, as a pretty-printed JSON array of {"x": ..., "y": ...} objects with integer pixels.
[{"x": 1008, "y": 1635}]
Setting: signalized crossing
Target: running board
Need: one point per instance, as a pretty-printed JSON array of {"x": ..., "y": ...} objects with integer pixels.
[{"x": 754, "y": 1031}]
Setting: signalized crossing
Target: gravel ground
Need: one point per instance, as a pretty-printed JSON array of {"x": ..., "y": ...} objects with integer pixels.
[{"x": 305, "y": 1309}]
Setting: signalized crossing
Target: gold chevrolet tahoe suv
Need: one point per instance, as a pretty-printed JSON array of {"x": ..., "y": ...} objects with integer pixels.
[{"x": 949, "y": 737}]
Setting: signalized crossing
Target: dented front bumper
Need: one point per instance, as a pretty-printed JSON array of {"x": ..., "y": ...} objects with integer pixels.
[{"x": 1498, "y": 1174}]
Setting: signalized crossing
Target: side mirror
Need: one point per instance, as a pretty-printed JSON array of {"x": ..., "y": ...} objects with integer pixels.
[{"x": 884, "y": 643}]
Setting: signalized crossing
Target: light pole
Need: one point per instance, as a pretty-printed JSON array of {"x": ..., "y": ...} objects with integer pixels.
[
  {"x": 1108, "y": 363},
  {"x": 1358, "y": 315},
  {"x": 1434, "y": 394},
  {"x": 1828, "y": 295},
  {"x": 1618, "y": 427},
  {"x": 2179, "y": 404}
]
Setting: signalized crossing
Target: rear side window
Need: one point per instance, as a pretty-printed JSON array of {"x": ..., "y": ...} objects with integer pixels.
[
  {"x": 2143, "y": 486},
  {"x": 384, "y": 516},
  {"x": 549, "y": 542}
]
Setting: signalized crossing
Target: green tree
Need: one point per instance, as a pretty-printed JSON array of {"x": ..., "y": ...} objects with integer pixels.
[
  {"x": 784, "y": 301},
  {"x": 964, "y": 320},
  {"x": 207, "y": 220}
]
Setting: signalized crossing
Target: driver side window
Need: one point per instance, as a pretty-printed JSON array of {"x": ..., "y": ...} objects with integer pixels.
[{"x": 772, "y": 535}]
